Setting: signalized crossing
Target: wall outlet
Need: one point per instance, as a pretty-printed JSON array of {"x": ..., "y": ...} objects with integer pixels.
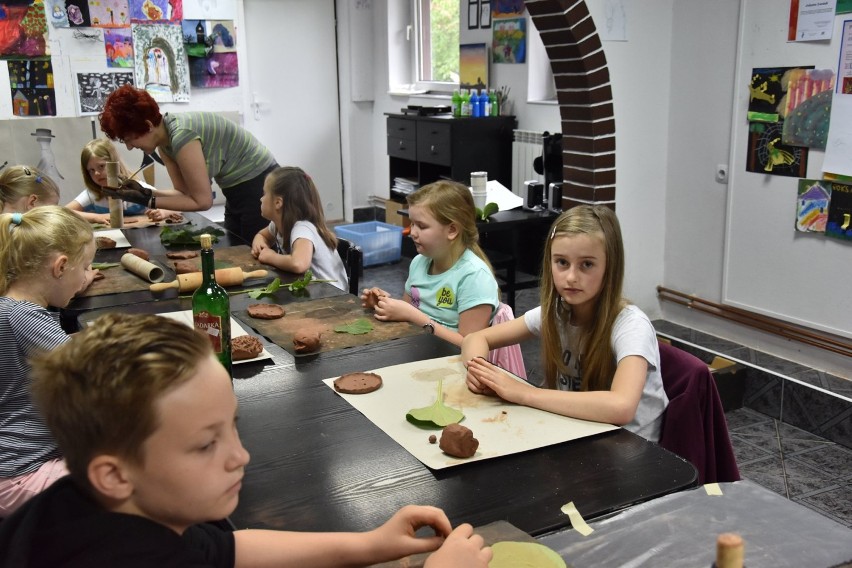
[{"x": 722, "y": 173}]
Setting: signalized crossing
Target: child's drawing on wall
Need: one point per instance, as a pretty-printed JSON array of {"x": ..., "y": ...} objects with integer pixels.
[
  {"x": 119, "y": 47},
  {"x": 160, "y": 62},
  {"x": 109, "y": 13},
  {"x": 155, "y": 11},
  {"x": 23, "y": 31},
  {"x": 812, "y": 205}
]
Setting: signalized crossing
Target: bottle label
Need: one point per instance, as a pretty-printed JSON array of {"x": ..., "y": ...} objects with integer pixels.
[{"x": 211, "y": 326}]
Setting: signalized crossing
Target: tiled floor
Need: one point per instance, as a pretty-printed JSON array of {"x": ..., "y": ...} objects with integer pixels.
[{"x": 803, "y": 467}]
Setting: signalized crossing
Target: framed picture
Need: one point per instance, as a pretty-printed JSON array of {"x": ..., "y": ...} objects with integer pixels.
[
  {"x": 473, "y": 14},
  {"x": 485, "y": 15}
]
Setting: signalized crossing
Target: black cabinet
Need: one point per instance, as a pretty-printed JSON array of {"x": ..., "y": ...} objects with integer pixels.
[{"x": 429, "y": 148}]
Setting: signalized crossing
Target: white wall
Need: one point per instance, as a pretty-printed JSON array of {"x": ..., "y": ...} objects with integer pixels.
[{"x": 705, "y": 38}]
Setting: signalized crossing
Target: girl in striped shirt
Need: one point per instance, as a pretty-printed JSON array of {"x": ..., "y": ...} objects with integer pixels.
[{"x": 44, "y": 253}]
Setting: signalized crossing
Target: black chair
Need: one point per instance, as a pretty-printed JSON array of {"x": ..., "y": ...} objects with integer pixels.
[{"x": 353, "y": 260}]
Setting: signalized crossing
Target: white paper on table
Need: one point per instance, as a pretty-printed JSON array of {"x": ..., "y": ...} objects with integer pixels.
[
  {"x": 502, "y": 428},
  {"x": 185, "y": 317},
  {"x": 496, "y": 192},
  {"x": 116, "y": 235},
  {"x": 838, "y": 147}
]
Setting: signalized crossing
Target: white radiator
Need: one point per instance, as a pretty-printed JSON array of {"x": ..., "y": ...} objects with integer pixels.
[{"x": 526, "y": 147}]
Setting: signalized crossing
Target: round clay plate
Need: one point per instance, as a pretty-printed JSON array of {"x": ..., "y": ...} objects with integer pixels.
[{"x": 358, "y": 383}]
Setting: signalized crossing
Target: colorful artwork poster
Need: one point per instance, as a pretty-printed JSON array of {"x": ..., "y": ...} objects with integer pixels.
[
  {"x": 201, "y": 37},
  {"x": 767, "y": 89},
  {"x": 812, "y": 202},
  {"x": 509, "y": 40},
  {"x": 210, "y": 9},
  {"x": 839, "y": 224},
  {"x": 56, "y": 15},
  {"x": 160, "y": 62},
  {"x": 78, "y": 13},
  {"x": 767, "y": 155},
  {"x": 31, "y": 83},
  {"x": 118, "y": 44},
  {"x": 109, "y": 13},
  {"x": 23, "y": 31},
  {"x": 214, "y": 71},
  {"x": 155, "y": 11},
  {"x": 94, "y": 88},
  {"x": 507, "y": 8},
  {"x": 807, "y": 112},
  {"x": 473, "y": 66},
  {"x": 224, "y": 36}
]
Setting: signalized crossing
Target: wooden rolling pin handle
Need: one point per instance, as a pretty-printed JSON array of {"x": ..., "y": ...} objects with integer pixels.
[
  {"x": 255, "y": 274},
  {"x": 161, "y": 286}
]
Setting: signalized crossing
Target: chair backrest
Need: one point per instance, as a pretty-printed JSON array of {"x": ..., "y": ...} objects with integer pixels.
[
  {"x": 510, "y": 357},
  {"x": 694, "y": 426},
  {"x": 353, "y": 260}
]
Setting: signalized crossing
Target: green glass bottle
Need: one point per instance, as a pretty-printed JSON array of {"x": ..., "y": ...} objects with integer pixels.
[{"x": 211, "y": 307}]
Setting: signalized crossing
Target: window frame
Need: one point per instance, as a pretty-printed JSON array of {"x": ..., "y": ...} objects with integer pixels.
[{"x": 421, "y": 56}]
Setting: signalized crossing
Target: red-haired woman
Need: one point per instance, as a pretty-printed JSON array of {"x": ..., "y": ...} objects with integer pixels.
[{"x": 195, "y": 146}]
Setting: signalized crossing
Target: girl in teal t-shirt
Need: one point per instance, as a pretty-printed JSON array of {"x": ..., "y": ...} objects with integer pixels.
[{"x": 451, "y": 290}]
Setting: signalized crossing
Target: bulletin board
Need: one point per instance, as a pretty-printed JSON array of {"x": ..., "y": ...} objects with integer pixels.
[
  {"x": 769, "y": 267},
  {"x": 81, "y": 51}
]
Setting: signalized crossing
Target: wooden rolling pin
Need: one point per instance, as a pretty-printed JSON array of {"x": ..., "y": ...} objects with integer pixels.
[{"x": 224, "y": 276}]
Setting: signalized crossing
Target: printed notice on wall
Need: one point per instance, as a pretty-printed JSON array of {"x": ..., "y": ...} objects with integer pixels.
[{"x": 811, "y": 20}]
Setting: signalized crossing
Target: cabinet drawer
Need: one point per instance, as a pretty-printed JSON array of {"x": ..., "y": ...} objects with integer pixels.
[
  {"x": 433, "y": 143},
  {"x": 402, "y": 128},
  {"x": 402, "y": 148}
]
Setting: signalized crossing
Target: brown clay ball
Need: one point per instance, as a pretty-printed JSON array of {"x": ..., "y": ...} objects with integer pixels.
[
  {"x": 458, "y": 441},
  {"x": 433, "y": 438},
  {"x": 306, "y": 342}
]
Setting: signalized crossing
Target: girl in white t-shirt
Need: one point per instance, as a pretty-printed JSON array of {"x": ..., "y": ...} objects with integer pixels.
[
  {"x": 91, "y": 204},
  {"x": 600, "y": 354},
  {"x": 297, "y": 238}
]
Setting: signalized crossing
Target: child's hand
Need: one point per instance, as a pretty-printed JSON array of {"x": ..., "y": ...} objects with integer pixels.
[
  {"x": 91, "y": 275},
  {"x": 157, "y": 215},
  {"x": 461, "y": 549},
  {"x": 258, "y": 243},
  {"x": 390, "y": 309},
  {"x": 266, "y": 255},
  {"x": 101, "y": 219},
  {"x": 485, "y": 378},
  {"x": 396, "y": 537},
  {"x": 370, "y": 297}
]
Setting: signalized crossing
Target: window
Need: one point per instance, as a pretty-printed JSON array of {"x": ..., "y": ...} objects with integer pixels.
[{"x": 436, "y": 49}]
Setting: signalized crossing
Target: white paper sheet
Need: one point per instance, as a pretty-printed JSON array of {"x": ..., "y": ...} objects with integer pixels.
[
  {"x": 185, "y": 317},
  {"x": 116, "y": 235},
  {"x": 838, "y": 148},
  {"x": 501, "y": 428},
  {"x": 496, "y": 192}
]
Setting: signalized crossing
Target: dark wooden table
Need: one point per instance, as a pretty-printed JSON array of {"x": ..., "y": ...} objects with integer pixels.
[
  {"x": 320, "y": 465},
  {"x": 149, "y": 240}
]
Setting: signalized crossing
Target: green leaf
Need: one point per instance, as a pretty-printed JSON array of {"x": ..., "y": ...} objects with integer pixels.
[
  {"x": 437, "y": 415},
  {"x": 301, "y": 283},
  {"x": 358, "y": 327},
  {"x": 186, "y": 236},
  {"x": 104, "y": 265},
  {"x": 268, "y": 290},
  {"x": 490, "y": 209}
]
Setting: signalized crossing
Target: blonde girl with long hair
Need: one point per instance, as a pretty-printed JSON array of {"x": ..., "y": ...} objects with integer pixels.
[
  {"x": 92, "y": 203},
  {"x": 24, "y": 187},
  {"x": 44, "y": 253},
  {"x": 451, "y": 290},
  {"x": 600, "y": 354}
]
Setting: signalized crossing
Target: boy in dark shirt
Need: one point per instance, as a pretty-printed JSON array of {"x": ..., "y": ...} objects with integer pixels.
[{"x": 146, "y": 418}]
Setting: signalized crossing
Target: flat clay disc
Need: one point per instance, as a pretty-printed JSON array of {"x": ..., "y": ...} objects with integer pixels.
[
  {"x": 509, "y": 554},
  {"x": 265, "y": 311},
  {"x": 357, "y": 383}
]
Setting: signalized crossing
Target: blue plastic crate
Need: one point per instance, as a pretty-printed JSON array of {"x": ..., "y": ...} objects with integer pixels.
[{"x": 380, "y": 242}]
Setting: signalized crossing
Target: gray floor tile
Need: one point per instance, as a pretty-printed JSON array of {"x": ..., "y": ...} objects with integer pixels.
[
  {"x": 833, "y": 459},
  {"x": 835, "y": 502},
  {"x": 803, "y": 479},
  {"x": 768, "y": 472}
]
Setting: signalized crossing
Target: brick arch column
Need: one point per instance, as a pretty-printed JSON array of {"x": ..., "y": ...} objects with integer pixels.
[{"x": 585, "y": 99}]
